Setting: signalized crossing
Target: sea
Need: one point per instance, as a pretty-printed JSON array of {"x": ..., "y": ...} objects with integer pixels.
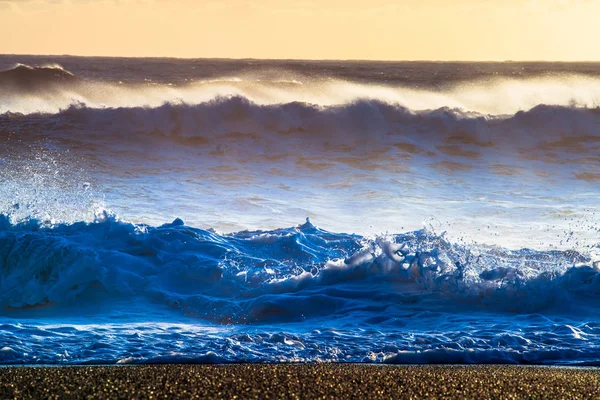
[{"x": 159, "y": 210}]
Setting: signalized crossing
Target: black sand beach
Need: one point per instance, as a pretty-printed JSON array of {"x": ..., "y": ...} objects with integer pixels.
[{"x": 296, "y": 381}]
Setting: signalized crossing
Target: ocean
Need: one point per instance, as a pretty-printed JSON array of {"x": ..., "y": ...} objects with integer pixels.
[{"x": 208, "y": 210}]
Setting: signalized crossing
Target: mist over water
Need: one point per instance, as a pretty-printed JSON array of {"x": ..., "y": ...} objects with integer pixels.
[
  {"x": 452, "y": 211},
  {"x": 491, "y": 89}
]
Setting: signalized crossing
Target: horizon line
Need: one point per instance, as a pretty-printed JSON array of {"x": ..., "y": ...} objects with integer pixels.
[{"x": 304, "y": 59}]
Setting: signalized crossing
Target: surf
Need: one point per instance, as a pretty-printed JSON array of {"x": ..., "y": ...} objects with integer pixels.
[{"x": 452, "y": 212}]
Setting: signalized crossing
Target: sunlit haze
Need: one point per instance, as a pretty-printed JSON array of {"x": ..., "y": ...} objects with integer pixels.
[{"x": 562, "y": 30}]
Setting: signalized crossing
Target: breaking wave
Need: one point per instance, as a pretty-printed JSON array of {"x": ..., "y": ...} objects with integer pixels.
[
  {"x": 30, "y": 80},
  {"x": 269, "y": 296},
  {"x": 362, "y": 118},
  {"x": 49, "y": 89},
  {"x": 275, "y": 276}
]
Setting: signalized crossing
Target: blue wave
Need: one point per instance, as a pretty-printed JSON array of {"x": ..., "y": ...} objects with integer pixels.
[
  {"x": 298, "y": 293},
  {"x": 257, "y": 276}
]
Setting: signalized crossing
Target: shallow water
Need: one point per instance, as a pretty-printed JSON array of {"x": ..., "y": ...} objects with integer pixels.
[{"x": 467, "y": 193}]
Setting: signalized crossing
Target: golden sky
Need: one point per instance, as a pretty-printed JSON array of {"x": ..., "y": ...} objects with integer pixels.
[{"x": 326, "y": 29}]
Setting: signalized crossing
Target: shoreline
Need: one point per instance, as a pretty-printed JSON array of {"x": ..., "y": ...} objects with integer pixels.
[{"x": 321, "y": 380}]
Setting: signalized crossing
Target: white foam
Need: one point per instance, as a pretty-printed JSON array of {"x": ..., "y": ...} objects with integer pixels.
[{"x": 492, "y": 96}]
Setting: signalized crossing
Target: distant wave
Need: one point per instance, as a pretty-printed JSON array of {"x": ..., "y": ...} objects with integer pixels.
[
  {"x": 27, "y": 79},
  {"x": 50, "y": 89},
  {"x": 356, "y": 124}
]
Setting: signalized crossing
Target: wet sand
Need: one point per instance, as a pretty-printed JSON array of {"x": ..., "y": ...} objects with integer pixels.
[{"x": 295, "y": 381}]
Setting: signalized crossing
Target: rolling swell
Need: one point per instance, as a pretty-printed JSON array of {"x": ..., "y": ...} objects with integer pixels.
[
  {"x": 27, "y": 79},
  {"x": 362, "y": 121}
]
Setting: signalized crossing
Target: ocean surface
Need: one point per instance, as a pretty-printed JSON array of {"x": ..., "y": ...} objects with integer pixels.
[{"x": 166, "y": 210}]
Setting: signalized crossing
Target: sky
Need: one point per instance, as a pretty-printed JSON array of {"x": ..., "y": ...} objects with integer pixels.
[{"x": 465, "y": 30}]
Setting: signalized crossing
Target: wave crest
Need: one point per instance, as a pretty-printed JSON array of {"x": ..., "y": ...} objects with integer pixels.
[
  {"x": 25, "y": 78},
  {"x": 284, "y": 275},
  {"x": 363, "y": 122},
  {"x": 493, "y": 96}
]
